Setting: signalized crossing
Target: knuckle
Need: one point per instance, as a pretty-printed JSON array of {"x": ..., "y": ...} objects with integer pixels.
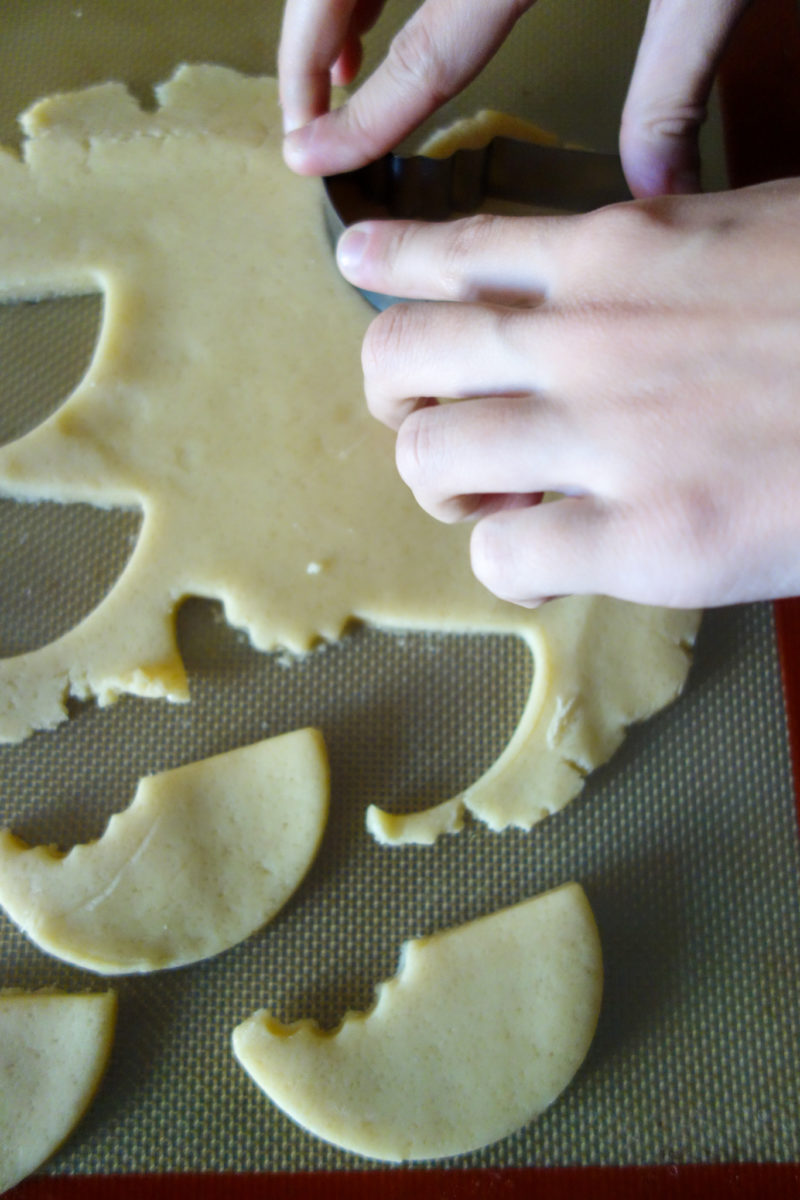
[
  {"x": 606, "y": 227},
  {"x": 675, "y": 123},
  {"x": 359, "y": 124},
  {"x": 414, "y": 61},
  {"x": 382, "y": 341},
  {"x": 514, "y": 335},
  {"x": 467, "y": 241},
  {"x": 617, "y": 234},
  {"x": 416, "y": 450},
  {"x": 674, "y": 545},
  {"x": 492, "y": 563},
  {"x": 398, "y": 246}
]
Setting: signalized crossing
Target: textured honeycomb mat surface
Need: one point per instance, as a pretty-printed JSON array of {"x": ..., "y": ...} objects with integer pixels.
[{"x": 686, "y": 842}]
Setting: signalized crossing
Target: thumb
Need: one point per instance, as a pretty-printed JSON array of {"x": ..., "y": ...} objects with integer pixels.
[{"x": 681, "y": 46}]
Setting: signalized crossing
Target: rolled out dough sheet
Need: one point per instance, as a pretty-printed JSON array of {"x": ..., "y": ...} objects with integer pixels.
[{"x": 224, "y": 401}]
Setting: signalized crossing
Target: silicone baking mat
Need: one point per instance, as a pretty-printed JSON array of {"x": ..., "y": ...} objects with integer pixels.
[{"x": 686, "y": 842}]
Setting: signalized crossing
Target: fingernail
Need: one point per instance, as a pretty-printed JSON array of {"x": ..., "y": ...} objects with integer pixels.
[
  {"x": 290, "y": 123},
  {"x": 350, "y": 250},
  {"x": 295, "y": 146}
]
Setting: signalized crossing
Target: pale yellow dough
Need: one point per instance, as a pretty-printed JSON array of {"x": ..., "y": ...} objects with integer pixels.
[
  {"x": 225, "y": 401},
  {"x": 54, "y": 1049},
  {"x": 205, "y": 855},
  {"x": 480, "y": 1030},
  {"x": 473, "y": 133},
  {"x": 421, "y": 829}
]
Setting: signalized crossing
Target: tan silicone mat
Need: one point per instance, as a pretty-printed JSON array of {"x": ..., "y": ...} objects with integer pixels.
[{"x": 686, "y": 842}]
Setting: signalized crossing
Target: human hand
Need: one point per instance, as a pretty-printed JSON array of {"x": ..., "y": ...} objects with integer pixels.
[
  {"x": 440, "y": 49},
  {"x": 642, "y": 360},
  {"x": 679, "y": 52},
  {"x": 443, "y": 47}
]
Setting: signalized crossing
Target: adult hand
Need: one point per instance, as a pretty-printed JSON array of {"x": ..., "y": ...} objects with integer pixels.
[
  {"x": 642, "y": 360},
  {"x": 443, "y": 47}
]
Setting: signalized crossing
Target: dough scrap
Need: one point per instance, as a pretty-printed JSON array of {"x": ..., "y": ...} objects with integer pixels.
[
  {"x": 480, "y": 1031},
  {"x": 54, "y": 1048},
  {"x": 204, "y": 855},
  {"x": 420, "y": 829},
  {"x": 224, "y": 400},
  {"x": 475, "y": 132}
]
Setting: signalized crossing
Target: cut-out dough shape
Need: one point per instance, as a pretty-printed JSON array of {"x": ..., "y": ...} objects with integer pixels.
[
  {"x": 205, "y": 855},
  {"x": 225, "y": 400},
  {"x": 475, "y": 132},
  {"x": 480, "y": 1030},
  {"x": 54, "y": 1049}
]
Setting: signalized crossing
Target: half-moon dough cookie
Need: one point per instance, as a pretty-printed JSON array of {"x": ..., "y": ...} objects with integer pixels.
[
  {"x": 205, "y": 855},
  {"x": 225, "y": 401},
  {"x": 480, "y": 1030},
  {"x": 53, "y": 1051}
]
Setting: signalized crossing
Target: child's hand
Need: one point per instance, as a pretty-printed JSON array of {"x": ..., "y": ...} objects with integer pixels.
[
  {"x": 643, "y": 360},
  {"x": 442, "y": 48}
]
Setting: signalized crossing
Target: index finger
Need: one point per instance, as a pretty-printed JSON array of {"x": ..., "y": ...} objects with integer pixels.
[
  {"x": 439, "y": 50},
  {"x": 313, "y": 35},
  {"x": 480, "y": 259}
]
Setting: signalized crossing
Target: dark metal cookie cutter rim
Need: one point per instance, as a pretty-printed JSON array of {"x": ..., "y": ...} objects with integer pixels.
[{"x": 434, "y": 189}]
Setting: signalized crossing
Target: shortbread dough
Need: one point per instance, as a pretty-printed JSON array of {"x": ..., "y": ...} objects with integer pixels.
[
  {"x": 54, "y": 1048},
  {"x": 480, "y": 1030},
  {"x": 224, "y": 400},
  {"x": 205, "y": 855},
  {"x": 420, "y": 829},
  {"x": 475, "y": 132}
]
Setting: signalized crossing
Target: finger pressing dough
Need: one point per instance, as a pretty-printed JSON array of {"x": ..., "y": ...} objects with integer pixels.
[
  {"x": 205, "y": 855},
  {"x": 53, "y": 1052},
  {"x": 224, "y": 401},
  {"x": 479, "y": 1031}
]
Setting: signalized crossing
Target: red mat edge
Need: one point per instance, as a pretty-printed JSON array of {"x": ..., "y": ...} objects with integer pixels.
[
  {"x": 760, "y": 97},
  {"x": 760, "y": 100},
  {"x": 742, "y": 1181}
]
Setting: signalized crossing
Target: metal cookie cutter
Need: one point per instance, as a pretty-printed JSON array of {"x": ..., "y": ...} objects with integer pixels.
[{"x": 433, "y": 189}]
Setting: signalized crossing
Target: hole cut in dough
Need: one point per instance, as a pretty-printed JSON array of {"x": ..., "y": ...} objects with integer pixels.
[
  {"x": 225, "y": 400},
  {"x": 46, "y": 348},
  {"x": 54, "y": 1049},
  {"x": 59, "y": 561},
  {"x": 205, "y": 855},
  {"x": 480, "y": 1030}
]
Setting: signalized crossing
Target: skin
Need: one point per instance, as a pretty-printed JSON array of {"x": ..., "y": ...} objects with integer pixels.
[{"x": 641, "y": 360}]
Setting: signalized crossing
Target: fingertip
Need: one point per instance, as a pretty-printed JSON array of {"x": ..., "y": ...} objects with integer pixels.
[
  {"x": 305, "y": 149},
  {"x": 495, "y": 564},
  {"x": 532, "y": 553},
  {"x": 295, "y": 144},
  {"x": 323, "y": 146},
  {"x": 491, "y": 555},
  {"x": 651, "y": 172},
  {"x": 351, "y": 249}
]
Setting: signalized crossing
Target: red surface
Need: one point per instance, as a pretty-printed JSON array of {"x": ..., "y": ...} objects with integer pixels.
[
  {"x": 760, "y": 94},
  {"x": 761, "y": 107},
  {"x": 760, "y": 90},
  {"x": 746, "y": 1181},
  {"x": 787, "y": 621}
]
